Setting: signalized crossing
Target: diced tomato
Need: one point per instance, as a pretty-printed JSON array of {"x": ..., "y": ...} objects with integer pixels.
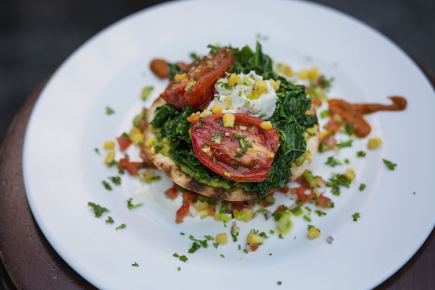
[
  {"x": 123, "y": 163},
  {"x": 131, "y": 167},
  {"x": 279, "y": 208},
  {"x": 172, "y": 192},
  {"x": 190, "y": 196},
  {"x": 211, "y": 209},
  {"x": 123, "y": 142},
  {"x": 332, "y": 126},
  {"x": 254, "y": 248},
  {"x": 330, "y": 141},
  {"x": 194, "y": 118},
  {"x": 316, "y": 101},
  {"x": 181, "y": 213},
  {"x": 237, "y": 206},
  {"x": 323, "y": 201},
  {"x": 302, "y": 197},
  {"x": 303, "y": 182},
  {"x": 284, "y": 189}
]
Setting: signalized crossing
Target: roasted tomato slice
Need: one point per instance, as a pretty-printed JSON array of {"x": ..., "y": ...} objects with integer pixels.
[
  {"x": 244, "y": 152},
  {"x": 194, "y": 85}
]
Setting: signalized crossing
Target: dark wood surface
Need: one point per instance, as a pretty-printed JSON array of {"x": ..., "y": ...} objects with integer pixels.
[{"x": 29, "y": 262}]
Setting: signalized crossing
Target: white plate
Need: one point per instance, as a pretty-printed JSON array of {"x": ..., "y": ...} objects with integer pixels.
[{"x": 63, "y": 173}]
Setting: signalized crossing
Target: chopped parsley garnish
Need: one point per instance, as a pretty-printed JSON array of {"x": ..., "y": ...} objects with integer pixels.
[
  {"x": 253, "y": 231},
  {"x": 194, "y": 248},
  {"x": 272, "y": 232},
  {"x": 146, "y": 92},
  {"x": 279, "y": 283},
  {"x": 333, "y": 162},
  {"x": 245, "y": 251},
  {"x": 116, "y": 180},
  {"x": 310, "y": 226},
  {"x": 109, "y": 220},
  {"x": 176, "y": 255},
  {"x": 183, "y": 258},
  {"x": 182, "y": 233},
  {"x": 356, "y": 216},
  {"x": 263, "y": 234},
  {"x": 362, "y": 187},
  {"x": 414, "y": 192},
  {"x": 320, "y": 213},
  {"x": 336, "y": 181},
  {"x": 194, "y": 56},
  {"x": 240, "y": 247},
  {"x": 307, "y": 208},
  {"x": 179, "y": 268},
  {"x": 247, "y": 103},
  {"x": 98, "y": 210},
  {"x": 106, "y": 185},
  {"x": 216, "y": 245},
  {"x": 121, "y": 226},
  {"x": 349, "y": 128},
  {"x": 345, "y": 144},
  {"x": 203, "y": 243},
  {"x": 109, "y": 111},
  {"x": 135, "y": 264},
  {"x": 262, "y": 116},
  {"x": 390, "y": 164},
  {"x": 222, "y": 256},
  {"x": 307, "y": 218},
  {"x": 280, "y": 236},
  {"x": 98, "y": 151},
  {"x": 270, "y": 254},
  {"x": 360, "y": 154},
  {"x": 210, "y": 238},
  {"x": 131, "y": 206},
  {"x": 234, "y": 236}
]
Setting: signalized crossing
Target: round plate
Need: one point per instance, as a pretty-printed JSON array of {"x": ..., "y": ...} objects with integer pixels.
[{"x": 63, "y": 172}]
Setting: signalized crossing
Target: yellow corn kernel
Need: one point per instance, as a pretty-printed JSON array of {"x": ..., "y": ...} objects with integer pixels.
[
  {"x": 274, "y": 84},
  {"x": 230, "y": 108},
  {"x": 255, "y": 239},
  {"x": 266, "y": 125},
  {"x": 216, "y": 109},
  {"x": 133, "y": 131},
  {"x": 227, "y": 174},
  {"x": 150, "y": 142},
  {"x": 110, "y": 157},
  {"x": 234, "y": 80},
  {"x": 181, "y": 77},
  {"x": 374, "y": 143},
  {"x": 153, "y": 150},
  {"x": 205, "y": 113},
  {"x": 270, "y": 154},
  {"x": 349, "y": 174},
  {"x": 322, "y": 134},
  {"x": 137, "y": 139},
  {"x": 313, "y": 73},
  {"x": 221, "y": 239},
  {"x": 313, "y": 233},
  {"x": 228, "y": 102},
  {"x": 303, "y": 74},
  {"x": 229, "y": 120},
  {"x": 260, "y": 87},
  {"x": 109, "y": 145},
  {"x": 190, "y": 85},
  {"x": 287, "y": 71}
]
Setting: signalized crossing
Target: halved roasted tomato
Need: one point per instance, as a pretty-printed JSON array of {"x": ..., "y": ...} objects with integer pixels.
[
  {"x": 244, "y": 152},
  {"x": 194, "y": 85}
]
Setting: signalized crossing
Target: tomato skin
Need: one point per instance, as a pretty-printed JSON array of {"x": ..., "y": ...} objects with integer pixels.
[
  {"x": 332, "y": 126},
  {"x": 181, "y": 213},
  {"x": 323, "y": 201},
  {"x": 172, "y": 192},
  {"x": 238, "y": 205},
  {"x": 205, "y": 73},
  {"x": 279, "y": 208},
  {"x": 284, "y": 189},
  {"x": 250, "y": 167},
  {"x": 316, "y": 101},
  {"x": 123, "y": 142},
  {"x": 254, "y": 247},
  {"x": 190, "y": 196}
]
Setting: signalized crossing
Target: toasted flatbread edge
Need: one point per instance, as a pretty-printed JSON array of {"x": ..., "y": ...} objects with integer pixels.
[{"x": 173, "y": 171}]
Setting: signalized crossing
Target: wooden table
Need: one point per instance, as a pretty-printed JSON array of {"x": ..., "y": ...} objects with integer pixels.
[{"x": 29, "y": 262}]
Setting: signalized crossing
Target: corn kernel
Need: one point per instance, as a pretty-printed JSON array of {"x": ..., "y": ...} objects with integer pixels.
[
  {"x": 270, "y": 154},
  {"x": 230, "y": 108},
  {"x": 234, "y": 80},
  {"x": 374, "y": 143},
  {"x": 313, "y": 233},
  {"x": 287, "y": 71},
  {"x": 181, "y": 77},
  {"x": 229, "y": 120},
  {"x": 349, "y": 174},
  {"x": 303, "y": 74},
  {"x": 266, "y": 125},
  {"x": 138, "y": 139},
  {"x": 274, "y": 84},
  {"x": 260, "y": 87},
  {"x": 110, "y": 157},
  {"x": 254, "y": 239},
  {"x": 221, "y": 239},
  {"x": 313, "y": 73},
  {"x": 216, "y": 109},
  {"x": 228, "y": 102},
  {"x": 109, "y": 145},
  {"x": 190, "y": 85},
  {"x": 322, "y": 134},
  {"x": 150, "y": 142},
  {"x": 205, "y": 113},
  {"x": 153, "y": 150},
  {"x": 133, "y": 131}
]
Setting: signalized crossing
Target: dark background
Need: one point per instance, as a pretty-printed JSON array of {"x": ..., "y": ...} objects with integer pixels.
[{"x": 36, "y": 36}]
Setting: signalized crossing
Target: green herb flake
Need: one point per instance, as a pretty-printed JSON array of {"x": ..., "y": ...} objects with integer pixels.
[
  {"x": 240, "y": 247},
  {"x": 270, "y": 254},
  {"x": 121, "y": 226},
  {"x": 116, "y": 180},
  {"x": 98, "y": 210},
  {"x": 245, "y": 251},
  {"x": 98, "y": 151},
  {"x": 106, "y": 185},
  {"x": 346, "y": 161},
  {"x": 360, "y": 154},
  {"x": 343, "y": 144},
  {"x": 362, "y": 187},
  {"x": 310, "y": 226},
  {"x": 109, "y": 220},
  {"x": 280, "y": 236},
  {"x": 333, "y": 162},
  {"x": 135, "y": 264},
  {"x": 356, "y": 216},
  {"x": 109, "y": 111},
  {"x": 336, "y": 181},
  {"x": 262, "y": 116},
  {"x": 271, "y": 232},
  {"x": 179, "y": 268},
  {"x": 216, "y": 245},
  {"x": 320, "y": 213},
  {"x": 307, "y": 218},
  {"x": 234, "y": 236},
  {"x": 194, "y": 56},
  {"x": 414, "y": 192},
  {"x": 182, "y": 233},
  {"x": 222, "y": 256},
  {"x": 390, "y": 164},
  {"x": 210, "y": 238},
  {"x": 279, "y": 283},
  {"x": 146, "y": 92},
  {"x": 183, "y": 258},
  {"x": 130, "y": 205},
  {"x": 176, "y": 255}
]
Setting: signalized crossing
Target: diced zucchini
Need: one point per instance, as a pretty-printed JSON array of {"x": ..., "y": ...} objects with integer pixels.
[
  {"x": 222, "y": 217},
  {"x": 297, "y": 211},
  {"x": 138, "y": 118},
  {"x": 284, "y": 224},
  {"x": 249, "y": 215},
  {"x": 223, "y": 207},
  {"x": 238, "y": 214}
]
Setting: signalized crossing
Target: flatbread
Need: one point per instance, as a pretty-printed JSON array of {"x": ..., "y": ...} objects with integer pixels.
[{"x": 173, "y": 171}]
